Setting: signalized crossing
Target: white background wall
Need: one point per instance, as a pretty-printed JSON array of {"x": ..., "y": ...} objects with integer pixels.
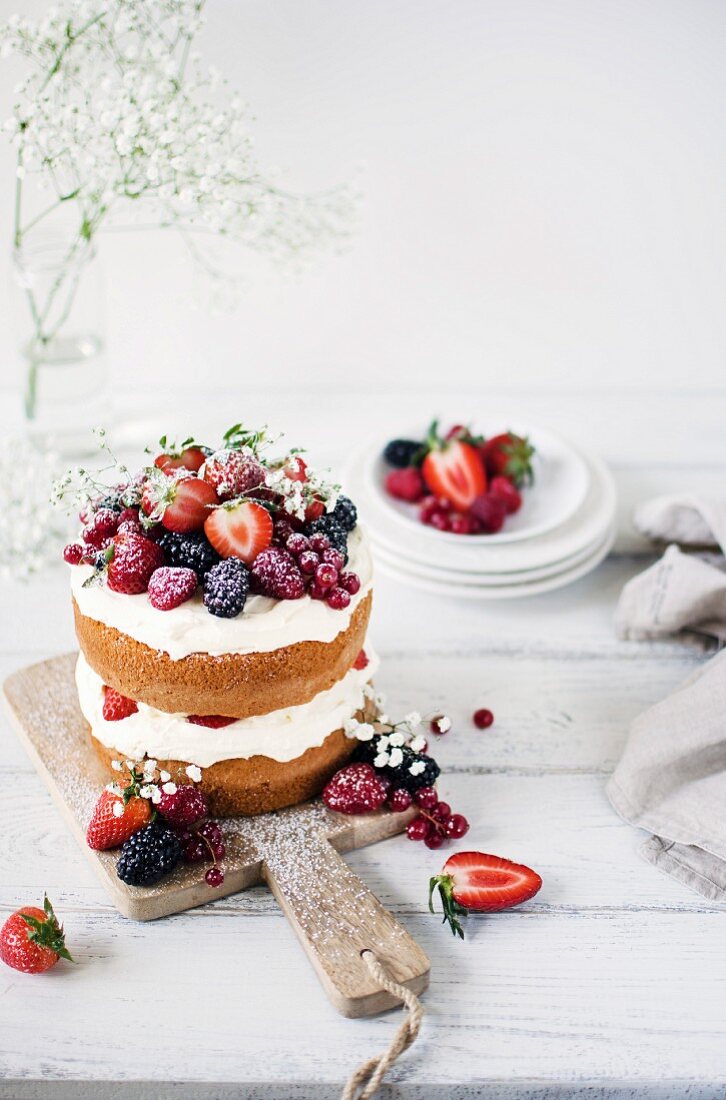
[{"x": 544, "y": 205}]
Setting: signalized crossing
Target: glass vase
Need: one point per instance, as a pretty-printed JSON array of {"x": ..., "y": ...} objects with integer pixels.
[{"x": 60, "y": 312}]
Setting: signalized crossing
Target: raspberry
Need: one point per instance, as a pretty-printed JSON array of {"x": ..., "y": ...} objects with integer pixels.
[
  {"x": 189, "y": 551},
  {"x": 73, "y": 553},
  {"x": 169, "y": 587},
  {"x": 503, "y": 488},
  {"x": 350, "y": 582},
  {"x": 211, "y": 721},
  {"x": 345, "y": 513},
  {"x": 406, "y": 484},
  {"x": 276, "y": 574},
  {"x": 491, "y": 512},
  {"x": 401, "y": 452},
  {"x": 148, "y": 855},
  {"x": 336, "y": 535},
  {"x": 134, "y": 558},
  {"x": 338, "y": 598},
  {"x": 225, "y": 588},
  {"x": 185, "y": 806},
  {"x": 233, "y": 473},
  {"x": 116, "y": 706},
  {"x": 101, "y": 527},
  {"x": 355, "y": 789}
]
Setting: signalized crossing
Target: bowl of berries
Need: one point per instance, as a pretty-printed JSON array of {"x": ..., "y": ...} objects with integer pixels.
[{"x": 496, "y": 485}]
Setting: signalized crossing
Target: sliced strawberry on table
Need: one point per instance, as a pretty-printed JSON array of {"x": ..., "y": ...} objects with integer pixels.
[
  {"x": 189, "y": 458},
  {"x": 115, "y": 818},
  {"x": 241, "y": 530},
  {"x": 481, "y": 883},
  {"x": 509, "y": 455},
  {"x": 116, "y": 706},
  {"x": 454, "y": 470}
]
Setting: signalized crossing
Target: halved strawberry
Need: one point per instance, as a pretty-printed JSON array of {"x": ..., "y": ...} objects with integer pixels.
[
  {"x": 239, "y": 530},
  {"x": 482, "y": 883},
  {"x": 296, "y": 469},
  {"x": 455, "y": 470},
  {"x": 116, "y": 706},
  {"x": 181, "y": 503},
  {"x": 190, "y": 458}
]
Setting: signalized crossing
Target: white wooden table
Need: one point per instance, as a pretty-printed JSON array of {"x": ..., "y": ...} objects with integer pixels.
[{"x": 610, "y": 983}]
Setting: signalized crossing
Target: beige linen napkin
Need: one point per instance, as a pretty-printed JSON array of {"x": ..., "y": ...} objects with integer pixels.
[{"x": 671, "y": 779}]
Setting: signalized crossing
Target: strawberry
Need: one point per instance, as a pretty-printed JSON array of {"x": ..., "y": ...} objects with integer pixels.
[
  {"x": 31, "y": 940},
  {"x": 131, "y": 561},
  {"x": 189, "y": 458},
  {"x": 454, "y": 470},
  {"x": 115, "y": 818},
  {"x": 361, "y": 661},
  {"x": 182, "y": 503},
  {"x": 296, "y": 469},
  {"x": 232, "y": 473},
  {"x": 239, "y": 530},
  {"x": 509, "y": 455},
  {"x": 355, "y": 789},
  {"x": 508, "y": 492},
  {"x": 406, "y": 484},
  {"x": 482, "y": 883},
  {"x": 211, "y": 721},
  {"x": 116, "y": 706}
]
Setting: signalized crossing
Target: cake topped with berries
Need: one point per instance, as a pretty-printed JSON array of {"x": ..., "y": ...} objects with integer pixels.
[{"x": 221, "y": 598}]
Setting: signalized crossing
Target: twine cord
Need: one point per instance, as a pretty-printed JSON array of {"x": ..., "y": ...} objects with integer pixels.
[{"x": 367, "y": 1079}]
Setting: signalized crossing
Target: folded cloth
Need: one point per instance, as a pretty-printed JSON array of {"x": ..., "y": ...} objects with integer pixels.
[
  {"x": 671, "y": 780},
  {"x": 682, "y": 594}
]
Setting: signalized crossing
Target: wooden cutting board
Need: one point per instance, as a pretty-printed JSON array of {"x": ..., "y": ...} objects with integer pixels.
[{"x": 296, "y": 852}]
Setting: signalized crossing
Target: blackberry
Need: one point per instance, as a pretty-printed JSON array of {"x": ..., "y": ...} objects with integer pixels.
[
  {"x": 402, "y": 452},
  {"x": 148, "y": 855},
  {"x": 225, "y": 588},
  {"x": 337, "y": 534},
  {"x": 400, "y": 775},
  {"x": 189, "y": 551},
  {"x": 345, "y": 513},
  {"x": 112, "y": 502}
]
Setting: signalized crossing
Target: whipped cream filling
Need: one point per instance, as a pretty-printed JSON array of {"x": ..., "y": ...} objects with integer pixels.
[
  {"x": 281, "y": 735},
  {"x": 263, "y": 626}
]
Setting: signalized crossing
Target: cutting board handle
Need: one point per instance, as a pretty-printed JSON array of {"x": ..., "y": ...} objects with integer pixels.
[{"x": 336, "y": 917}]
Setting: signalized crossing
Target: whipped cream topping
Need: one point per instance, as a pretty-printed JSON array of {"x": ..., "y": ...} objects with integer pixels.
[
  {"x": 263, "y": 626},
  {"x": 281, "y": 735}
]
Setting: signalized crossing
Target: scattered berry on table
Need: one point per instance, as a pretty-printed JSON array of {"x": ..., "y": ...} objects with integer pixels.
[
  {"x": 399, "y": 799},
  {"x": 188, "y": 551},
  {"x": 402, "y": 452},
  {"x": 345, "y": 513},
  {"x": 233, "y": 473},
  {"x": 73, "y": 553},
  {"x": 490, "y": 511},
  {"x": 114, "y": 820},
  {"x": 479, "y": 882},
  {"x": 211, "y": 721},
  {"x": 148, "y": 855},
  {"x": 214, "y": 877},
  {"x": 241, "y": 530},
  {"x": 116, "y": 706},
  {"x": 171, "y": 586},
  {"x": 133, "y": 558},
  {"x": 406, "y": 484},
  {"x": 32, "y": 940},
  {"x": 275, "y": 573},
  {"x": 355, "y": 789},
  {"x": 183, "y": 806},
  {"x": 483, "y": 718},
  {"x": 508, "y": 492},
  {"x": 226, "y": 586},
  {"x": 440, "y": 725}
]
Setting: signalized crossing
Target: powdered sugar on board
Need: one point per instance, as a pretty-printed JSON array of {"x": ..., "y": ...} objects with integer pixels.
[{"x": 295, "y": 851}]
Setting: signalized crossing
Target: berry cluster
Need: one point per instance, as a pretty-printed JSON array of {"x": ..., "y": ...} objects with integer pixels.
[
  {"x": 434, "y": 822},
  {"x": 228, "y": 519},
  {"x": 157, "y": 824},
  {"x": 461, "y": 482}
]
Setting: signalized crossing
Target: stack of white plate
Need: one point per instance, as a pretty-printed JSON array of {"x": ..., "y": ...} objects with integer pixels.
[{"x": 564, "y": 529}]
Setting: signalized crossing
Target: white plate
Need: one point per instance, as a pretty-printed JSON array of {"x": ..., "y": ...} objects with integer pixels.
[
  {"x": 507, "y": 591},
  {"x": 560, "y": 483},
  {"x": 488, "y": 580},
  {"x": 470, "y": 555}
]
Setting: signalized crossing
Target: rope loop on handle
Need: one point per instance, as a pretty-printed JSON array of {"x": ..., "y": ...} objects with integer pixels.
[{"x": 367, "y": 1079}]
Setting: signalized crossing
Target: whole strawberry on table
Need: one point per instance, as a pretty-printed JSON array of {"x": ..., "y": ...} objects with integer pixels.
[
  {"x": 460, "y": 481},
  {"x": 31, "y": 939}
]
